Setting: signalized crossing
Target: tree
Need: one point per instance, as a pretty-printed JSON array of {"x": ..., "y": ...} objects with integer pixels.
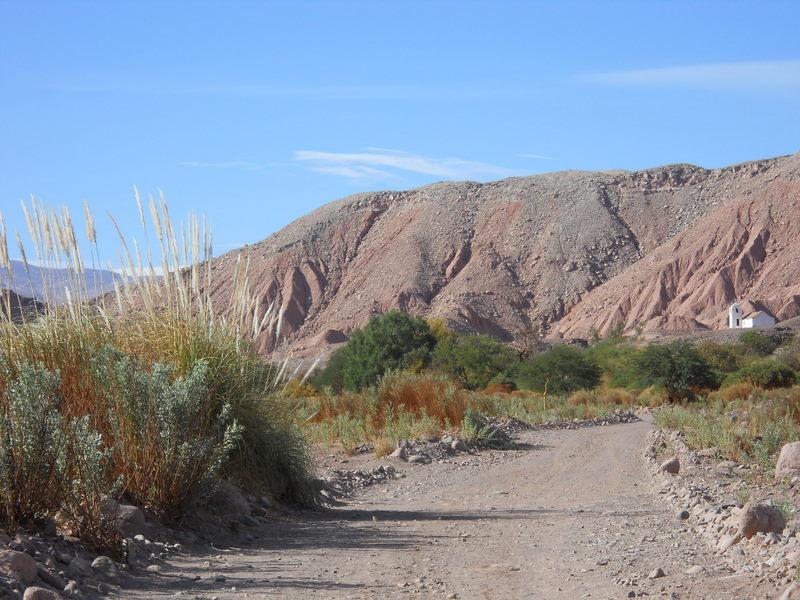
[
  {"x": 474, "y": 360},
  {"x": 393, "y": 340},
  {"x": 678, "y": 367},
  {"x": 561, "y": 370}
]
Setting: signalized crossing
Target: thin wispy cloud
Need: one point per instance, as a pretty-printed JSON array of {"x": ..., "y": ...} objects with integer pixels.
[
  {"x": 382, "y": 163},
  {"x": 776, "y": 75},
  {"x": 535, "y": 156}
]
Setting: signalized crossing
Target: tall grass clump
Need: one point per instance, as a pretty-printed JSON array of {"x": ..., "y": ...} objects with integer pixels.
[{"x": 148, "y": 393}]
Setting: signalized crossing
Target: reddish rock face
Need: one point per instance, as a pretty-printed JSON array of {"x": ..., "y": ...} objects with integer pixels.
[{"x": 569, "y": 253}]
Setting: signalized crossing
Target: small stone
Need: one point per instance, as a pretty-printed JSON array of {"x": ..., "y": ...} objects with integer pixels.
[
  {"x": 400, "y": 453},
  {"x": 683, "y": 514},
  {"x": 656, "y": 573},
  {"x": 792, "y": 592},
  {"x": 672, "y": 466},
  {"x": 459, "y": 446},
  {"x": 39, "y": 593},
  {"x": 107, "y": 570},
  {"x": 73, "y": 590},
  {"x": 695, "y": 570},
  {"x": 418, "y": 459}
]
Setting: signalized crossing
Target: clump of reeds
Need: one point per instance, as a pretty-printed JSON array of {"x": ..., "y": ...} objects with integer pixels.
[{"x": 160, "y": 313}]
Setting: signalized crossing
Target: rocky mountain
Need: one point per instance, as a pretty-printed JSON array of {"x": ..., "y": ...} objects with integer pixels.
[
  {"x": 50, "y": 284},
  {"x": 565, "y": 253},
  {"x": 18, "y": 306}
]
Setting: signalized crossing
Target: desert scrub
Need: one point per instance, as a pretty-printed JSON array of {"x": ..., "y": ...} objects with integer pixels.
[
  {"x": 751, "y": 430},
  {"x": 477, "y": 430},
  {"x": 32, "y": 443},
  {"x": 151, "y": 391},
  {"x": 50, "y": 464},
  {"x": 169, "y": 434}
]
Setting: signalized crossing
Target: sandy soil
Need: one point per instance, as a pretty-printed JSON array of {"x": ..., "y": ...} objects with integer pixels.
[{"x": 572, "y": 515}]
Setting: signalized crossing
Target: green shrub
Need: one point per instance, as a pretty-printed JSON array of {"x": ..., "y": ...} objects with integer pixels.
[
  {"x": 32, "y": 443},
  {"x": 392, "y": 341},
  {"x": 560, "y": 370},
  {"x": 475, "y": 360},
  {"x": 616, "y": 358},
  {"x": 678, "y": 367},
  {"x": 476, "y": 429},
  {"x": 766, "y": 374},
  {"x": 757, "y": 343},
  {"x": 722, "y": 358},
  {"x": 170, "y": 434}
]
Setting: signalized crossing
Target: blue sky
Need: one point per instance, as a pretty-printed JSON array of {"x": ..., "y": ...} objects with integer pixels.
[{"x": 254, "y": 113}]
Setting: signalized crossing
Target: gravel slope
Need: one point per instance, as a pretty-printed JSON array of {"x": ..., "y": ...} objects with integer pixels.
[{"x": 573, "y": 515}]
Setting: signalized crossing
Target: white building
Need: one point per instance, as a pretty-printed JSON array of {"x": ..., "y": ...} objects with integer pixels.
[{"x": 738, "y": 320}]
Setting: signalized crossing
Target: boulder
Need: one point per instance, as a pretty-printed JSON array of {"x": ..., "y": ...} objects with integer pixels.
[
  {"x": 18, "y": 565},
  {"x": 788, "y": 461},
  {"x": 39, "y": 593},
  {"x": 757, "y": 518},
  {"x": 228, "y": 503},
  {"x": 128, "y": 520},
  {"x": 672, "y": 466}
]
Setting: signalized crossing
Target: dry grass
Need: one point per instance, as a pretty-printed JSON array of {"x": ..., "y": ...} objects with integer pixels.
[
  {"x": 151, "y": 319},
  {"x": 736, "y": 391},
  {"x": 616, "y": 396},
  {"x": 498, "y": 388},
  {"x": 383, "y": 446},
  {"x": 581, "y": 398},
  {"x": 750, "y": 430}
]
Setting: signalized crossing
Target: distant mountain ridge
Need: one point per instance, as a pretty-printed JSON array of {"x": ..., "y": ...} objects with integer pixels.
[
  {"x": 568, "y": 253},
  {"x": 50, "y": 284}
]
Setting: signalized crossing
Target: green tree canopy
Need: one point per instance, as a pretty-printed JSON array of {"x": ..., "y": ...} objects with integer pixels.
[
  {"x": 561, "y": 370},
  {"x": 678, "y": 367},
  {"x": 474, "y": 360},
  {"x": 393, "y": 340}
]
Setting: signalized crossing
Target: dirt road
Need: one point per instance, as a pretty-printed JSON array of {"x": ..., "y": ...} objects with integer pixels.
[{"x": 572, "y": 516}]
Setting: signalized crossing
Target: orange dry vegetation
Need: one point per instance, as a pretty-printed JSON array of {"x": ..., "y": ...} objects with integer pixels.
[
  {"x": 418, "y": 395},
  {"x": 498, "y": 388}
]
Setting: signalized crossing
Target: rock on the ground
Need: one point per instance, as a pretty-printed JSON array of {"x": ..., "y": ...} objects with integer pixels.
[
  {"x": 672, "y": 466},
  {"x": 18, "y": 565},
  {"x": 656, "y": 573},
  {"x": 757, "y": 518},
  {"x": 39, "y": 593},
  {"x": 52, "y": 579},
  {"x": 79, "y": 567},
  {"x": 400, "y": 453},
  {"x": 459, "y": 446},
  {"x": 107, "y": 570},
  {"x": 788, "y": 461},
  {"x": 792, "y": 592},
  {"x": 128, "y": 520},
  {"x": 73, "y": 590}
]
